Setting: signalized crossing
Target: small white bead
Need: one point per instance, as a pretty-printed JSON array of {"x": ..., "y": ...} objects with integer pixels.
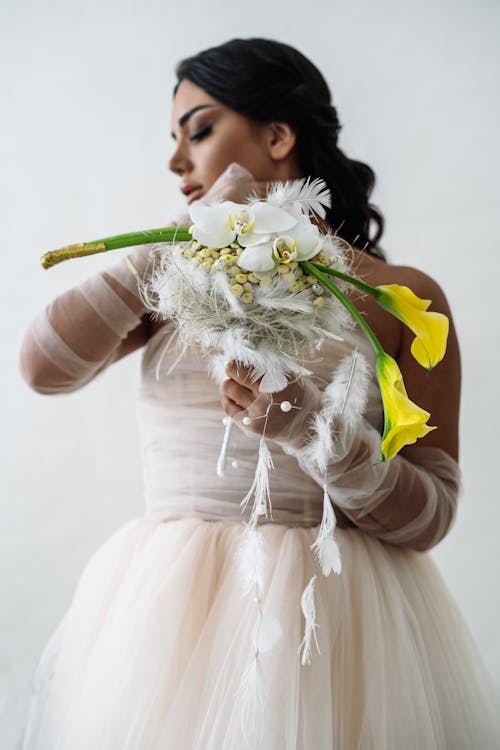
[
  {"x": 285, "y": 406},
  {"x": 246, "y": 420},
  {"x": 317, "y": 289},
  {"x": 235, "y": 464}
]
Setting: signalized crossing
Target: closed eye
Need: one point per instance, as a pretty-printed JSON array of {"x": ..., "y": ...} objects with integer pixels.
[{"x": 201, "y": 133}]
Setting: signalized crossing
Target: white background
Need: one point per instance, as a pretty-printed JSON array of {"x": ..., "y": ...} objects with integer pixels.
[{"x": 85, "y": 105}]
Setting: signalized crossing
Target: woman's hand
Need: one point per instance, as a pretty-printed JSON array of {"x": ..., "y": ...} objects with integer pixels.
[
  {"x": 236, "y": 184},
  {"x": 242, "y": 400}
]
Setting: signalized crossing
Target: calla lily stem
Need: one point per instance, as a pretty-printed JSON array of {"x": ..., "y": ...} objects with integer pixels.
[
  {"x": 131, "y": 239},
  {"x": 350, "y": 279},
  {"x": 314, "y": 270}
]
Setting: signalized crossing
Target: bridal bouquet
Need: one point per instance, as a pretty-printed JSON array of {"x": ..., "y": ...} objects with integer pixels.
[{"x": 258, "y": 283}]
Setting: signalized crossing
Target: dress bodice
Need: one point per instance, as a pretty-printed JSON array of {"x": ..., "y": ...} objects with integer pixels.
[{"x": 181, "y": 431}]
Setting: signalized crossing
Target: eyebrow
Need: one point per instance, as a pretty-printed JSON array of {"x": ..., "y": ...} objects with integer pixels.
[{"x": 185, "y": 117}]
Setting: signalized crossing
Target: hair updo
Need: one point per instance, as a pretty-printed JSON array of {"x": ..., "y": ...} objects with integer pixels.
[{"x": 266, "y": 81}]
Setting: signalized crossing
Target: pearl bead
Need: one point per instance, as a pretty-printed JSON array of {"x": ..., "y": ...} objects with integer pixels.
[
  {"x": 285, "y": 406},
  {"x": 317, "y": 289},
  {"x": 235, "y": 464},
  {"x": 246, "y": 420}
]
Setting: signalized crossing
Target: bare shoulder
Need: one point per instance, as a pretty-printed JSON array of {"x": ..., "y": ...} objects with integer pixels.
[{"x": 375, "y": 271}]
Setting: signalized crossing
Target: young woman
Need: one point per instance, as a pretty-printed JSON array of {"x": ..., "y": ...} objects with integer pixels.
[{"x": 153, "y": 647}]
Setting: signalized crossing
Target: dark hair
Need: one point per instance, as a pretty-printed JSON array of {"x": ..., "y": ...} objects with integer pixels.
[{"x": 266, "y": 80}]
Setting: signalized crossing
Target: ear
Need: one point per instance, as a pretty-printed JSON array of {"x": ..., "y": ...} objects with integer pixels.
[{"x": 281, "y": 139}]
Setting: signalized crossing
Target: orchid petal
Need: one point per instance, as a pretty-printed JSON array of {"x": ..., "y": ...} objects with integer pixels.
[
  {"x": 257, "y": 258},
  {"x": 253, "y": 238},
  {"x": 219, "y": 237},
  {"x": 207, "y": 217},
  {"x": 307, "y": 238},
  {"x": 271, "y": 218}
]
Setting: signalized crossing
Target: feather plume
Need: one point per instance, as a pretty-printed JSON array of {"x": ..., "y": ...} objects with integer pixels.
[
  {"x": 251, "y": 560},
  {"x": 348, "y": 391},
  {"x": 325, "y": 545},
  {"x": 249, "y": 703},
  {"x": 319, "y": 449},
  {"x": 260, "y": 485},
  {"x": 217, "y": 368},
  {"x": 312, "y": 196},
  {"x": 309, "y": 612},
  {"x": 266, "y": 633},
  {"x": 345, "y": 395}
]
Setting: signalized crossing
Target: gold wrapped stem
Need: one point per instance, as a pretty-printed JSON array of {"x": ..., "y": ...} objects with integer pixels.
[{"x": 72, "y": 251}]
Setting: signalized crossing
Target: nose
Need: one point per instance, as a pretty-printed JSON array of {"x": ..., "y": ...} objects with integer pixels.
[{"x": 178, "y": 163}]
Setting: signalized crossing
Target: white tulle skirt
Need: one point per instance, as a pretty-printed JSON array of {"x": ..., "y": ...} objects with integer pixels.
[{"x": 150, "y": 654}]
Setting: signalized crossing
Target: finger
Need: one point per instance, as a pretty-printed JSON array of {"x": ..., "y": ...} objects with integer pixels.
[
  {"x": 231, "y": 409},
  {"x": 242, "y": 375},
  {"x": 238, "y": 393}
]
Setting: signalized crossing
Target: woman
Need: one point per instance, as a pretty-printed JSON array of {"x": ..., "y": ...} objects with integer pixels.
[{"x": 152, "y": 650}]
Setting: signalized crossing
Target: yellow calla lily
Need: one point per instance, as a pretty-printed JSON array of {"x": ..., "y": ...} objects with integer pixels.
[
  {"x": 405, "y": 422},
  {"x": 430, "y": 328}
]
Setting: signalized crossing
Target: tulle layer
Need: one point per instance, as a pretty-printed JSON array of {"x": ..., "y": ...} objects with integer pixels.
[{"x": 151, "y": 652}]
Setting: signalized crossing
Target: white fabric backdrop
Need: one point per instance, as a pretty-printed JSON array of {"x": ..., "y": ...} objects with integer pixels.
[{"x": 86, "y": 127}]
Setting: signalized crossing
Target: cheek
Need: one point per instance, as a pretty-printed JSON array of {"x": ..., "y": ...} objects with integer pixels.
[{"x": 234, "y": 146}]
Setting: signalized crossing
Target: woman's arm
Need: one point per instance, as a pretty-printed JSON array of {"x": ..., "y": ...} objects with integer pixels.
[{"x": 86, "y": 328}]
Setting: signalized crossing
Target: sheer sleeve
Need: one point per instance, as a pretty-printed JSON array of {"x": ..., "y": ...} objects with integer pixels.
[
  {"x": 78, "y": 334},
  {"x": 403, "y": 502}
]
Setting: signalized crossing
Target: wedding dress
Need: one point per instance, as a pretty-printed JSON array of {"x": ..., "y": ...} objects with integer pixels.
[{"x": 151, "y": 651}]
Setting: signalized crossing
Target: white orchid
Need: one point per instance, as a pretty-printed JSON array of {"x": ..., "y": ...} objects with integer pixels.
[
  {"x": 301, "y": 242},
  {"x": 219, "y": 225}
]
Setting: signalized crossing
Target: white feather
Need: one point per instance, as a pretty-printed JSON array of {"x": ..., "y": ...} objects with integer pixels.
[
  {"x": 309, "y": 612},
  {"x": 320, "y": 448},
  {"x": 273, "y": 381},
  {"x": 325, "y": 545},
  {"x": 251, "y": 560},
  {"x": 346, "y": 395},
  {"x": 312, "y": 196},
  {"x": 260, "y": 485},
  {"x": 249, "y": 703},
  {"x": 348, "y": 391},
  {"x": 266, "y": 633},
  {"x": 217, "y": 368}
]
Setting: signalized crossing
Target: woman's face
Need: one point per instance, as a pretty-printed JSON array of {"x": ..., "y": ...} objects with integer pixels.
[{"x": 209, "y": 136}]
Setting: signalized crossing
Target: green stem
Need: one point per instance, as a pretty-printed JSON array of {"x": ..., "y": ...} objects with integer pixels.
[
  {"x": 315, "y": 271},
  {"x": 164, "y": 234},
  {"x": 350, "y": 279},
  {"x": 131, "y": 239}
]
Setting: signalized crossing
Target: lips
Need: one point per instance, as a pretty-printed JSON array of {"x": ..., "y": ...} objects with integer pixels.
[
  {"x": 192, "y": 192},
  {"x": 194, "y": 195}
]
